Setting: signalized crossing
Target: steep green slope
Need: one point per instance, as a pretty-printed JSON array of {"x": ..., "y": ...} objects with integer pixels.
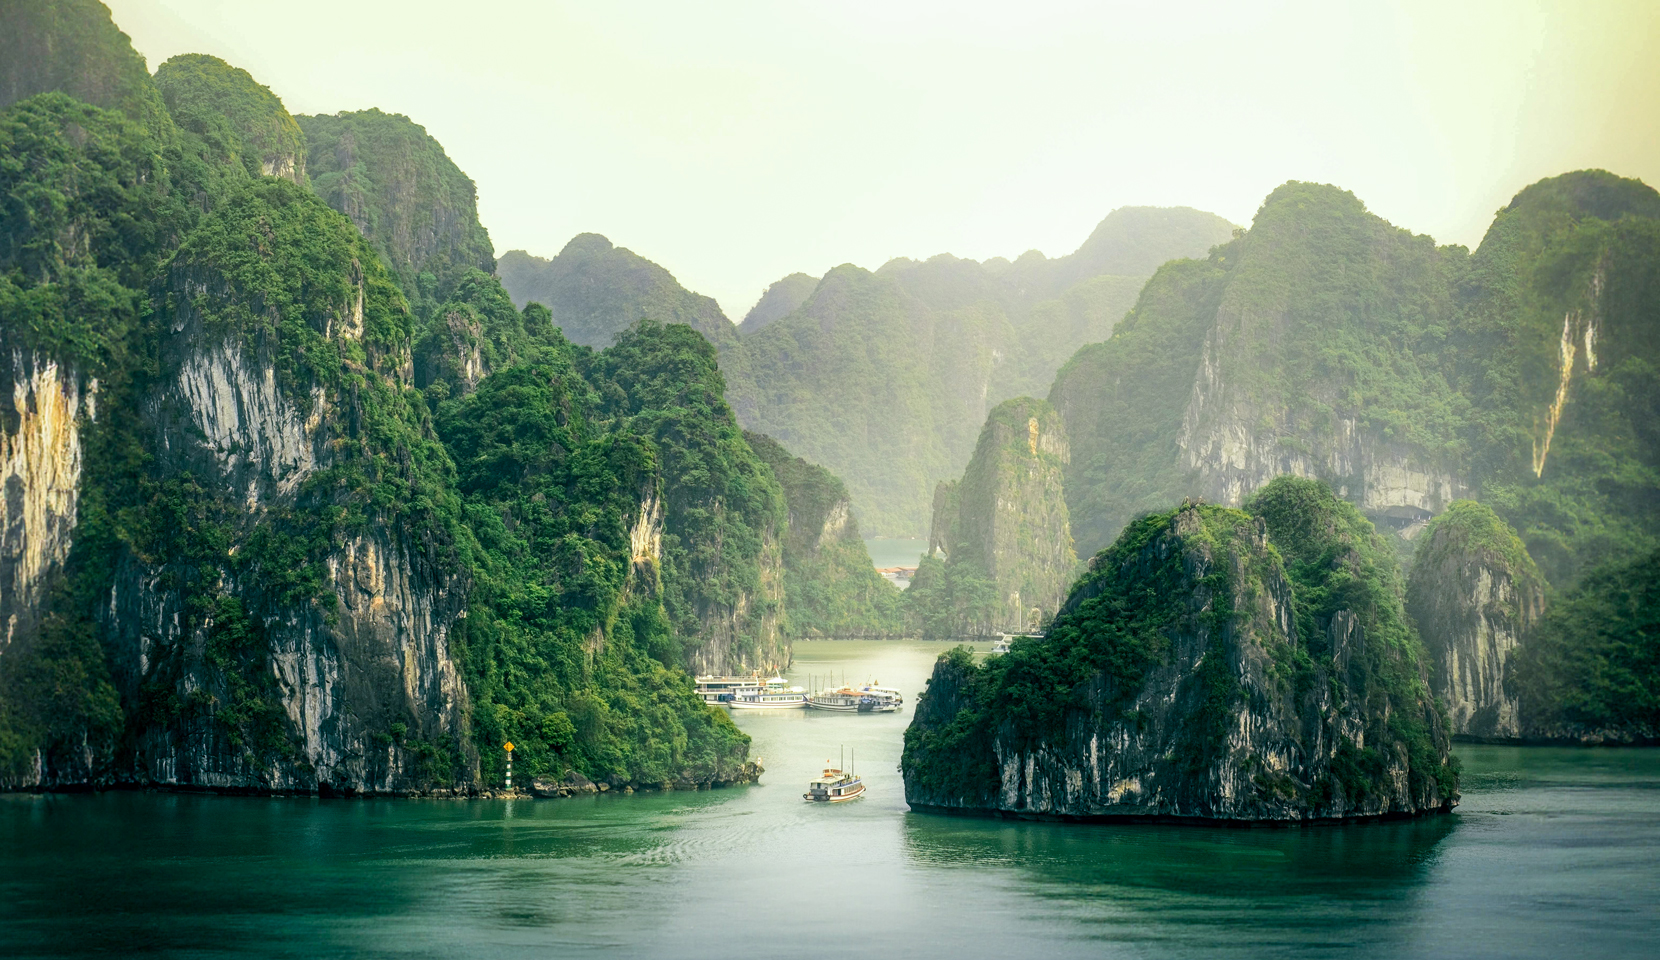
[
  {"x": 1590, "y": 670},
  {"x": 392, "y": 179},
  {"x": 724, "y": 514},
  {"x": 272, "y": 573},
  {"x": 1559, "y": 352},
  {"x": 830, "y": 587},
  {"x": 856, "y": 380},
  {"x": 568, "y": 648},
  {"x": 1123, "y": 400},
  {"x": 73, "y": 46},
  {"x": 228, "y": 108},
  {"x": 597, "y": 290}
]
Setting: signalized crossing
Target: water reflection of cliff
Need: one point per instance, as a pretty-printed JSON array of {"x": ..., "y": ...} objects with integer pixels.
[{"x": 1198, "y": 887}]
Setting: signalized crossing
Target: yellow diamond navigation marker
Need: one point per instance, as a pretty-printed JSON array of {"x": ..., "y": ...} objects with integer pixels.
[{"x": 508, "y": 746}]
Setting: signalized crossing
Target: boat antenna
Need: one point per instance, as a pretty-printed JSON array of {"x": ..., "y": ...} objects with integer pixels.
[{"x": 843, "y": 761}]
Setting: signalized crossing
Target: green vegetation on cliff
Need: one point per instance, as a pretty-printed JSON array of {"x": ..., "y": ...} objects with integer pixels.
[
  {"x": 1559, "y": 351},
  {"x": 74, "y": 47},
  {"x": 781, "y": 299},
  {"x": 527, "y": 516},
  {"x": 1004, "y": 531},
  {"x": 886, "y": 377},
  {"x": 724, "y": 515},
  {"x": 1326, "y": 342},
  {"x": 392, "y": 179},
  {"x": 830, "y": 587},
  {"x": 243, "y": 119},
  {"x": 1591, "y": 667},
  {"x": 566, "y": 644}
]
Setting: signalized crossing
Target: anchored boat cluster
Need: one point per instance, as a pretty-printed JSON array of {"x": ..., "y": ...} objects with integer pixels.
[{"x": 754, "y": 693}]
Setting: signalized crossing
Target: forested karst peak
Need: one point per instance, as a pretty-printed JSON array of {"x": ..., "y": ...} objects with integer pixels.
[
  {"x": 392, "y": 179},
  {"x": 226, "y": 105}
]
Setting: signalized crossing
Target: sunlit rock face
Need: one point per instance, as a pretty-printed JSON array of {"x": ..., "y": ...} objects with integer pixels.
[
  {"x": 41, "y": 418},
  {"x": 1232, "y": 715},
  {"x": 1474, "y": 593}
]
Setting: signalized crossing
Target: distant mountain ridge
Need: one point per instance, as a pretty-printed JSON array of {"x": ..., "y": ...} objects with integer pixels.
[
  {"x": 883, "y": 376},
  {"x": 596, "y": 290}
]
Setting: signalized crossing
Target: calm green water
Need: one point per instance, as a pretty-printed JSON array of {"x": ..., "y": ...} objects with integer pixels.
[{"x": 1554, "y": 853}]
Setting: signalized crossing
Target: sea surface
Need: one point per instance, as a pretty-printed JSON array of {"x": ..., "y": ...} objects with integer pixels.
[
  {"x": 895, "y": 551},
  {"x": 1553, "y": 853}
]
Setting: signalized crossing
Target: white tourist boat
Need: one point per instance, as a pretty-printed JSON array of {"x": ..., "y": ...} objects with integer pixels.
[
  {"x": 834, "y": 786},
  {"x": 877, "y": 691},
  {"x": 849, "y": 700},
  {"x": 773, "y": 695},
  {"x": 714, "y": 689}
]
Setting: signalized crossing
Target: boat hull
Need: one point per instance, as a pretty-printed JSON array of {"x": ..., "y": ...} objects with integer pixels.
[
  {"x": 854, "y": 795},
  {"x": 774, "y": 705}
]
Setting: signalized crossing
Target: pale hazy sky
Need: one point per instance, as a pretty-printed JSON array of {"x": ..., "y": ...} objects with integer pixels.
[{"x": 736, "y": 142}]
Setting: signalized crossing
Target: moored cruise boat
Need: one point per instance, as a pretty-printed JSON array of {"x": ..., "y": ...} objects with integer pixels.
[
  {"x": 721, "y": 689},
  {"x": 877, "y": 691},
  {"x": 848, "y": 700},
  {"x": 773, "y": 696}
]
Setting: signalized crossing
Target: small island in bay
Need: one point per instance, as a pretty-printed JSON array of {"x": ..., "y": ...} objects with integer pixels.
[{"x": 1221, "y": 664}]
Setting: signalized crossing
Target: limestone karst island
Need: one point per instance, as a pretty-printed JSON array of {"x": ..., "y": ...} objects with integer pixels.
[{"x": 1137, "y": 481}]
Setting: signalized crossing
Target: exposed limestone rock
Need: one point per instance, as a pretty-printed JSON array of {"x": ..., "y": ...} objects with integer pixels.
[
  {"x": 1007, "y": 518},
  {"x": 255, "y": 432},
  {"x": 743, "y": 635},
  {"x": 1474, "y": 593},
  {"x": 40, "y": 473},
  {"x": 1233, "y": 444}
]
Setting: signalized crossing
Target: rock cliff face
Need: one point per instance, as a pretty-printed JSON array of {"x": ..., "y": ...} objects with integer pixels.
[
  {"x": 40, "y": 475},
  {"x": 256, "y": 677},
  {"x": 1247, "y": 366},
  {"x": 1474, "y": 594},
  {"x": 830, "y": 587},
  {"x": 1186, "y": 679},
  {"x": 1007, "y": 521}
]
